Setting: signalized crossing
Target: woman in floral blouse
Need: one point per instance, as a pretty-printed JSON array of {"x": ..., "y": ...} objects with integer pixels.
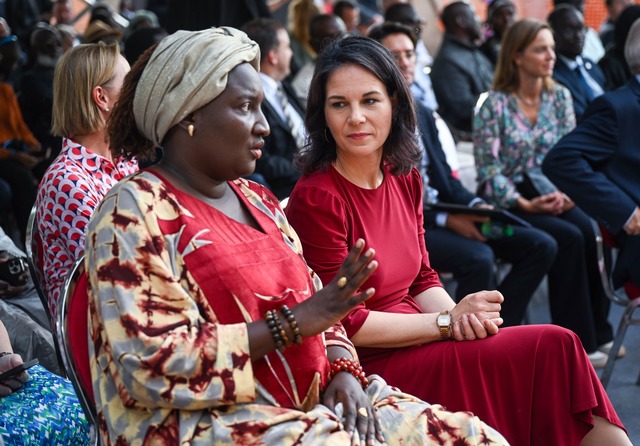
[{"x": 517, "y": 124}]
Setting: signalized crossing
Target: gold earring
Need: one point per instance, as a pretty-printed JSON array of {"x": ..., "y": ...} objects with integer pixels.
[{"x": 190, "y": 129}]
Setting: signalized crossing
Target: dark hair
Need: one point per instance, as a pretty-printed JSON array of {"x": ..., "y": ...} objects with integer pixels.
[
  {"x": 451, "y": 12},
  {"x": 124, "y": 137},
  {"x": 343, "y": 5},
  {"x": 494, "y": 5},
  {"x": 554, "y": 18},
  {"x": 400, "y": 151},
  {"x": 621, "y": 29},
  {"x": 403, "y": 13},
  {"x": 141, "y": 39},
  {"x": 264, "y": 32},
  {"x": 386, "y": 29}
]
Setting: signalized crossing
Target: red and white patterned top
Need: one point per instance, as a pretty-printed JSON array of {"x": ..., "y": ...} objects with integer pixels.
[{"x": 69, "y": 192}]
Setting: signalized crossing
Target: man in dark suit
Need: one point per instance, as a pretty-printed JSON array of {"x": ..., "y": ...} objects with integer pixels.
[
  {"x": 598, "y": 165},
  {"x": 580, "y": 75},
  {"x": 454, "y": 241},
  {"x": 281, "y": 107}
]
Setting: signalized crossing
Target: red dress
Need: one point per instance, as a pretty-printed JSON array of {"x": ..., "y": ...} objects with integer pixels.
[{"x": 534, "y": 383}]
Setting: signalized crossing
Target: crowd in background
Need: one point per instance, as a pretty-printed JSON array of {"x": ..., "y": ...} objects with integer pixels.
[{"x": 512, "y": 91}]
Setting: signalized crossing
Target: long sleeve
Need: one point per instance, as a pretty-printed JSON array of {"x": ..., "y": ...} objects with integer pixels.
[
  {"x": 161, "y": 352},
  {"x": 507, "y": 144},
  {"x": 330, "y": 214},
  {"x": 587, "y": 164},
  {"x": 12, "y": 125},
  {"x": 488, "y": 130}
]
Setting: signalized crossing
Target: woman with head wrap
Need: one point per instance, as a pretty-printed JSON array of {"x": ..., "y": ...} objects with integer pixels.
[
  {"x": 86, "y": 85},
  {"x": 207, "y": 325}
]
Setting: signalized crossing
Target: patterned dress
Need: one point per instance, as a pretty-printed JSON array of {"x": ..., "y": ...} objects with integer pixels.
[
  {"x": 70, "y": 190},
  {"x": 506, "y": 143},
  {"x": 44, "y": 411},
  {"x": 170, "y": 298}
]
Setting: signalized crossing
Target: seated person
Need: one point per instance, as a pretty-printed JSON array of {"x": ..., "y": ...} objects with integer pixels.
[
  {"x": 522, "y": 118},
  {"x": 180, "y": 351},
  {"x": 582, "y": 76},
  {"x": 360, "y": 181},
  {"x": 323, "y": 28},
  {"x": 36, "y": 96},
  {"x": 37, "y": 407},
  {"x": 18, "y": 146},
  {"x": 87, "y": 84},
  {"x": 613, "y": 63},
  {"x": 421, "y": 86},
  {"x": 455, "y": 242},
  {"x": 597, "y": 165},
  {"x": 280, "y": 107},
  {"x": 500, "y": 15},
  {"x": 460, "y": 71}
]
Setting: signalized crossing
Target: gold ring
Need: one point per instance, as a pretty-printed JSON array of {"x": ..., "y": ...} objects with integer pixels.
[
  {"x": 362, "y": 411},
  {"x": 342, "y": 282}
]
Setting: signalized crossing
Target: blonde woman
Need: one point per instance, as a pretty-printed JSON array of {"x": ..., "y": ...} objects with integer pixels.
[
  {"x": 87, "y": 83},
  {"x": 520, "y": 121}
]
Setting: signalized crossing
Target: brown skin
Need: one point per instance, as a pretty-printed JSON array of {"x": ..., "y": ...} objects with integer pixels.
[{"x": 228, "y": 134}]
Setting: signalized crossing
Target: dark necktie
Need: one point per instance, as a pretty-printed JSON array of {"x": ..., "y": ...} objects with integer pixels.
[
  {"x": 294, "y": 124},
  {"x": 584, "y": 85}
]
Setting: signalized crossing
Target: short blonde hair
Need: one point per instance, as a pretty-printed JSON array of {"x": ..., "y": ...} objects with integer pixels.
[
  {"x": 515, "y": 40},
  {"x": 78, "y": 72}
]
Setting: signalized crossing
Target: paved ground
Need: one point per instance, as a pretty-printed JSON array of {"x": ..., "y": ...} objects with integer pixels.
[{"x": 622, "y": 388}]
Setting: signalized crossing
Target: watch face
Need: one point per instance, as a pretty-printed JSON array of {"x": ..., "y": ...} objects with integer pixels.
[{"x": 443, "y": 320}]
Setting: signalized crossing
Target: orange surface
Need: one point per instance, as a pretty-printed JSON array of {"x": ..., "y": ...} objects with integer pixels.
[{"x": 595, "y": 10}]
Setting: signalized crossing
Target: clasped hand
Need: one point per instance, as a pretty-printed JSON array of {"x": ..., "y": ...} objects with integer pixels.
[
  {"x": 477, "y": 316},
  {"x": 554, "y": 203}
]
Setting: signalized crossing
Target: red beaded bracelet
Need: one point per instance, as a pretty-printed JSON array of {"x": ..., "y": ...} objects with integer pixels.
[{"x": 347, "y": 365}]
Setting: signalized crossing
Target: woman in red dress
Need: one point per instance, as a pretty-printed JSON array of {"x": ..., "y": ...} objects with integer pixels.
[{"x": 534, "y": 383}]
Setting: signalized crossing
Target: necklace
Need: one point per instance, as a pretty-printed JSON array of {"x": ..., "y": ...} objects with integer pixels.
[{"x": 528, "y": 102}]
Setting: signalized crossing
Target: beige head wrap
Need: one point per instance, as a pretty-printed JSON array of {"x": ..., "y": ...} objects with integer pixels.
[{"x": 185, "y": 72}]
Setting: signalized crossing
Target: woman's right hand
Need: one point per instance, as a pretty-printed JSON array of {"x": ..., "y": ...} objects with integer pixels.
[
  {"x": 333, "y": 302},
  {"x": 477, "y": 316}
]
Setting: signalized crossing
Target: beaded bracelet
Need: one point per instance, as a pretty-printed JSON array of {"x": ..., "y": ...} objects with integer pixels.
[
  {"x": 347, "y": 365},
  {"x": 295, "y": 328},
  {"x": 280, "y": 337}
]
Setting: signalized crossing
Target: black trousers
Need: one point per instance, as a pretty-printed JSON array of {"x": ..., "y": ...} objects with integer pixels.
[
  {"x": 530, "y": 252},
  {"x": 576, "y": 296}
]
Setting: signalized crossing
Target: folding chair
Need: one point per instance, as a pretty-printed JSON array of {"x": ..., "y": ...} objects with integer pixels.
[
  {"x": 33, "y": 244},
  {"x": 73, "y": 340},
  {"x": 630, "y": 300}
]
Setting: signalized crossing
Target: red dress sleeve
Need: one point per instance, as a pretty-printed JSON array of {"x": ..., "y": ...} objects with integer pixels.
[{"x": 330, "y": 214}]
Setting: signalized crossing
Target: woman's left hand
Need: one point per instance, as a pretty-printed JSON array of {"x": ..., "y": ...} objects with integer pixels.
[
  {"x": 477, "y": 315},
  {"x": 360, "y": 418}
]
